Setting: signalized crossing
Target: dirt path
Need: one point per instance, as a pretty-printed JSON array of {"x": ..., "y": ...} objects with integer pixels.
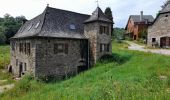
[
  {"x": 134, "y": 46},
  {"x": 6, "y": 87}
]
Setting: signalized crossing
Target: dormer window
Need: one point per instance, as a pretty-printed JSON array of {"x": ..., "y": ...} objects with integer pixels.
[
  {"x": 72, "y": 27},
  {"x": 38, "y": 23},
  {"x": 29, "y": 27}
]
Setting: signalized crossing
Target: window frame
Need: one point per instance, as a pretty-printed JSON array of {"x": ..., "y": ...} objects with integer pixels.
[
  {"x": 104, "y": 30},
  {"x": 63, "y": 50}
]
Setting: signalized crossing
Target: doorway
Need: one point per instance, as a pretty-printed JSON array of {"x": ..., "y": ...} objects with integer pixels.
[
  {"x": 134, "y": 37},
  {"x": 165, "y": 42},
  {"x": 20, "y": 69}
]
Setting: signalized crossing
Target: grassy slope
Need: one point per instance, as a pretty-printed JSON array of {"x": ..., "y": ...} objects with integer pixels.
[
  {"x": 4, "y": 56},
  {"x": 4, "y": 61},
  {"x": 132, "y": 75}
]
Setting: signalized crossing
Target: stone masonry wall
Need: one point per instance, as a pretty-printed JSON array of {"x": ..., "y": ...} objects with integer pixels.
[
  {"x": 160, "y": 28},
  {"x": 48, "y": 63},
  {"x": 104, "y": 39},
  {"x": 22, "y": 58},
  {"x": 91, "y": 31}
]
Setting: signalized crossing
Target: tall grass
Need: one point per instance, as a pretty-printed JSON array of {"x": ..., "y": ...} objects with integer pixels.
[
  {"x": 4, "y": 56},
  {"x": 127, "y": 75}
]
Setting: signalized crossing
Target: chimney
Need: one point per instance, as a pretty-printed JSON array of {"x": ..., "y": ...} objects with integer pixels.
[{"x": 141, "y": 16}]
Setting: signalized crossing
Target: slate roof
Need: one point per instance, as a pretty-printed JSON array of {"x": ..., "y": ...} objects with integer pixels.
[
  {"x": 166, "y": 7},
  {"x": 136, "y": 18},
  {"x": 54, "y": 23},
  {"x": 98, "y": 15}
]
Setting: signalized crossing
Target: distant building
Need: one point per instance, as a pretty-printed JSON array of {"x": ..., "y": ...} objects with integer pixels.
[
  {"x": 138, "y": 24},
  {"x": 159, "y": 31},
  {"x": 59, "y": 42}
]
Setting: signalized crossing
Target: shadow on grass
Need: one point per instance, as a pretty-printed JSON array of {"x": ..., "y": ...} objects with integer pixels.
[{"x": 120, "y": 59}]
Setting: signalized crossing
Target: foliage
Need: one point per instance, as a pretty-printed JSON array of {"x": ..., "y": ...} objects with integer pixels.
[
  {"x": 2, "y": 35},
  {"x": 119, "y": 33},
  {"x": 108, "y": 13},
  {"x": 129, "y": 75},
  {"x": 143, "y": 34},
  {"x": 26, "y": 85},
  {"x": 9, "y": 27}
]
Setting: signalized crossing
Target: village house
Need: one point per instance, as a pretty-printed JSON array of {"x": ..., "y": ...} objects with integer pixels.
[
  {"x": 138, "y": 24},
  {"x": 59, "y": 42},
  {"x": 159, "y": 31}
]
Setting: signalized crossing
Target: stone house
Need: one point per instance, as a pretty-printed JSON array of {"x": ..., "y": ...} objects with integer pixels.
[
  {"x": 59, "y": 42},
  {"x": 159, "y": 31},
  {"x": 137, "y": 24}
]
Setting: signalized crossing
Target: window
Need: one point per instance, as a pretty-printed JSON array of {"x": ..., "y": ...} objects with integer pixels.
[
  {"x": 29, "y": 27},
  {"x": 38, "y": 23},
  {"x": 25, "y": 66},
  {"x": 25, "y": 48},
  {"x": 73, "y": 27},
  {"x": 16, "y": 62},
  {"x": 20, "y": 47},
  {"x": 13, "y": 46},
  {"x": 104, "y": 47},
  {"x": 108, "y": 47},
  {"x": 28, "y": 48},
  {"x": 104, "y": 30},
  {"x": 101, "y": 48},
  {"x": 153, "y": 39},
  {"x": 60, "y": 48},
  {"x": 166, "y": 15}
]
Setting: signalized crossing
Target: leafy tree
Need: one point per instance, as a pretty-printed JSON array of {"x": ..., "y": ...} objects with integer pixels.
[
  {"x": 119, "y": 33},
  {"x": 2, "y": 35},
  {"x": 10, "y": 26},
  {"x": 109, "y": 15}
]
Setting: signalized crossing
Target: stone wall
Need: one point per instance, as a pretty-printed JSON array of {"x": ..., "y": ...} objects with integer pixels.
[
  {"x": 43, "y": 62},
  {"x": 104, "y": 39},
  {"x": 161, "y": 28},
  {"x": 22, "y": 57},
  {"x": 91, "y": 31},
  {"x": 59, "y": 65}
]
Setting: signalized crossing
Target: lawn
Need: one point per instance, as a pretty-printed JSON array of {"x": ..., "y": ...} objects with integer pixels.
[{"x": 128, "y": 75}]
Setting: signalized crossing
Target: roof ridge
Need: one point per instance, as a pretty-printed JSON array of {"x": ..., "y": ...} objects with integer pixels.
[{"x": 69, "y": 11}]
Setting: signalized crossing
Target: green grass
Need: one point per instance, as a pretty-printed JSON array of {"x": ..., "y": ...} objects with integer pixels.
[
  {"x": 4, "y": 61},
  {"x": 129, "y": 75},
  {"x": 4, "y": 56}
]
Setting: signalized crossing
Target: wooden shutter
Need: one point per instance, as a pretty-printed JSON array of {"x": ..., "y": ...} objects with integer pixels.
[{"x": 66, "y": 48}]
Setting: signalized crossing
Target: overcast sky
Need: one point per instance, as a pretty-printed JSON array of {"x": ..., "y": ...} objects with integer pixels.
[{"x": 121, "y": 8}]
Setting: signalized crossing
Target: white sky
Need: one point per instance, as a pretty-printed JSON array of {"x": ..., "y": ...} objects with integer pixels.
[{"x": 121, "y": 8}]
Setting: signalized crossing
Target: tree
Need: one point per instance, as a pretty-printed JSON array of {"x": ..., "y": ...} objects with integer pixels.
[
  {"x": 119, "y": 33},
  {"x": 109, "y": 15},
  {"x": 2, "y": 35},
  {"x": 11, "y": 25}
]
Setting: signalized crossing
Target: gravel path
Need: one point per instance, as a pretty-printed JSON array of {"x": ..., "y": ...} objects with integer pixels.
[
  {"x": 134, "y": 46},
  {"x": 6, "y": 87}
]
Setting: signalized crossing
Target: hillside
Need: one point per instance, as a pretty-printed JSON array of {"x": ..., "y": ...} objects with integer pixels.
[{"x": 127, "y": 75}]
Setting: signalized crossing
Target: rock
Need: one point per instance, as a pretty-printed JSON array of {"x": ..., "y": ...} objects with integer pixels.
[{"x": 163, "y": 77}]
